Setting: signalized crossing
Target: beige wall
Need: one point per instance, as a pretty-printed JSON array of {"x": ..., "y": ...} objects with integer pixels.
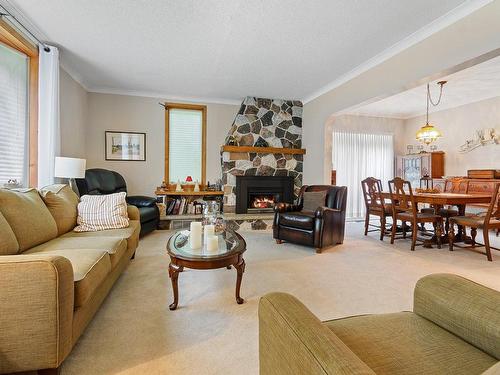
[
  {"x": 458, "y": 125},
  {"x": 477, "y": 34},
  {"x": 133, "y": 113},
  {"x": 73, "y": 116}
]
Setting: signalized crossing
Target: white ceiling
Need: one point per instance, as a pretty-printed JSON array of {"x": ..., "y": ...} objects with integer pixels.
[
  {"x": 224, "y": 50},
  {"x": 470, "y": 85}
]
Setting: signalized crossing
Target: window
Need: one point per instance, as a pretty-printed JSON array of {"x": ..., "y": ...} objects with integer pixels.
[
  {"x": 357, "y": 156},
  {"x": 18, "y": 107},
  {"x": 13, "y": 115},
  {"x": 185, "y": 133}
]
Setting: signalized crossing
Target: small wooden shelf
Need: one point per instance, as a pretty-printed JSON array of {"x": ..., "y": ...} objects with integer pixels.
[
  {"x": 188, "y": 193},
  {"x": 264, "y": 150}
]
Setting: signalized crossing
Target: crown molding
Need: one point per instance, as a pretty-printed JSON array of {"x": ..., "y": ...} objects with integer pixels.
[
  {"x": 164, "y": 96},
  {"x": 435, "y": 26}
]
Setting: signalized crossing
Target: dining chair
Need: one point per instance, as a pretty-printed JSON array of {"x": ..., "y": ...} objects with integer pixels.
[
  {"x": 375, "y": 205},
  {"x": 456, "y": 185},
  {"x": 484, "y": 221},
  {"x": 405, "y": 209}
]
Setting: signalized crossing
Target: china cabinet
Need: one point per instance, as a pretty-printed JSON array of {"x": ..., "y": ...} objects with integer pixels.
[{"x": 414, "y": 167}]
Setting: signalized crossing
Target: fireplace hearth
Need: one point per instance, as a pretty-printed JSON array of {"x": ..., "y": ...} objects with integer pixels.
[{"x": 260, "y": 193}]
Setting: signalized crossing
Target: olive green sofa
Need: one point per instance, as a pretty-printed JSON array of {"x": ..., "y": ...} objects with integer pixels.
[
  {"x": 454, "y": 329},
  {"x": 52, "y": 279}
]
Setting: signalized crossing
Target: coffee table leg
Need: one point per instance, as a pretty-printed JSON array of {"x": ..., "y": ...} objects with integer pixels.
[
  {"x": 240, "y": 268},
  {"x": 173, "y": 272}
]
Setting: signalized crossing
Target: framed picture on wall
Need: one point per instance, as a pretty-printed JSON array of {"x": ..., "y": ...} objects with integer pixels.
[{"x": 125, "y": 146}]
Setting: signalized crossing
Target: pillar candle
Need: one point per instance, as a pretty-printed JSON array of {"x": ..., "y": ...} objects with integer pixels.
[
  {"x": 209, "y": 231},
  {"x": 195, "y": 235},
  {"x": 212, "y": 244}
]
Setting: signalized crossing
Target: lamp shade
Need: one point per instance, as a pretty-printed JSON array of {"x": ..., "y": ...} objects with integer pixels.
[
  {"x": 69, "y": 167},
  {"x": 428, "y": 134}
]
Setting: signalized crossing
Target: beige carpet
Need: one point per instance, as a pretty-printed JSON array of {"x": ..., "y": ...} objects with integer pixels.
[{"x": 135, "y": 333}]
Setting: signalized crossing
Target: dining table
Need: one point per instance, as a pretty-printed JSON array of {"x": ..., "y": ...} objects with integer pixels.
[{"x": 439, "y": 200}]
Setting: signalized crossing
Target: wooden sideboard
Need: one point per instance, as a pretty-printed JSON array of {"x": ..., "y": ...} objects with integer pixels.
[
  {"x": 413, "y": 167},
  {"x": 463, "y": 185}
]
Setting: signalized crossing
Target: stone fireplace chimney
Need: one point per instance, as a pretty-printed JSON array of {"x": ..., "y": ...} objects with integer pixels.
[{"x": 265, "y": 139}]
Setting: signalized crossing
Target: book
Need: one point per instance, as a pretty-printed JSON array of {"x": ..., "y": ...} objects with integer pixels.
[
  {"x": 176, "y": 207},
  {"x": 171, "y": 205},
  {"x": 181, "y": 207}
]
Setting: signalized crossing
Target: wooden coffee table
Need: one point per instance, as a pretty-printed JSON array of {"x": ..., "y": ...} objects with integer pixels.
[{"x": 230, "y": 253}]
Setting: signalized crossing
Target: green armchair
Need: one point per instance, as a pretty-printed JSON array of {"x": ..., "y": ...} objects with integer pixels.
[{"x": 454, "y": 329}]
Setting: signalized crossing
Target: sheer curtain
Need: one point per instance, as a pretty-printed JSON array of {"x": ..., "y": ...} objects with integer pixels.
[
  {"x": 48, "y": 114},
  {"x": 357, "y": 156}
]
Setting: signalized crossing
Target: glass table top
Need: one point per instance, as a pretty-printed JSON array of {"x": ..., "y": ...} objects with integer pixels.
[{"x": 229, "y": 243}]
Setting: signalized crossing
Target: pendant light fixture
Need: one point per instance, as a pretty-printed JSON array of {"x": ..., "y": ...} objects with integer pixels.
[{"x": 429, "y": 133}]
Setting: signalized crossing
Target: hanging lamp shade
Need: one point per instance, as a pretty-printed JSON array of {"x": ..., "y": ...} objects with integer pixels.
[{"x": 428, "y": 134}]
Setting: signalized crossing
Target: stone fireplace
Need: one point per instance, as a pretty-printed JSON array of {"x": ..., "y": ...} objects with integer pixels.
[
  {"x": 257, "y": 194},
  {"x": 268, "y": 137}
]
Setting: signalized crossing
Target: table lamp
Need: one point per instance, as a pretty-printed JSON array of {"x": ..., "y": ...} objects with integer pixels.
[{"x": 70, "y": 168}]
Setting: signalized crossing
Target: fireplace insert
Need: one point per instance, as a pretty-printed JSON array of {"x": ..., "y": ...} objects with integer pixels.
[{"x": 260, "y": 193}]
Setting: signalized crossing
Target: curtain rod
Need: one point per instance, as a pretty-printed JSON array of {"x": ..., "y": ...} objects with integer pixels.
[{"x": 46, "y": 48}]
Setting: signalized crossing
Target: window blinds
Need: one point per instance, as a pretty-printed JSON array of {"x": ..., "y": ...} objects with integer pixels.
[
  {"x": 13, "y": 116},
  {"x": 185, "y": 144}
]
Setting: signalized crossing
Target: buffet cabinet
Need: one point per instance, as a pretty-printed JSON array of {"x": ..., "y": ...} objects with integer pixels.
[{"x": 413, "y": 167}]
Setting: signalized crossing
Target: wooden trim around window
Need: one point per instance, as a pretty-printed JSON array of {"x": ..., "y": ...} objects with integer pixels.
[
  {"x": 12, "y": 38},
  {"x": 203, "y": 109}
]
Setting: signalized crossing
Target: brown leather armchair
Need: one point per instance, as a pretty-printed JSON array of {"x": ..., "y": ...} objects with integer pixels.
[{"x": 320, "y": 228}]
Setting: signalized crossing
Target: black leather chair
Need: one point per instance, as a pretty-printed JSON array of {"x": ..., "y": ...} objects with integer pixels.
[
  {"x": 102, "y": 181},
  {"x": 320, "y": 228}
]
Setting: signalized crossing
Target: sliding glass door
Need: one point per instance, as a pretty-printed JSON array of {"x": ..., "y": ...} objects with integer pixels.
[{"x": 357, "y": 156}]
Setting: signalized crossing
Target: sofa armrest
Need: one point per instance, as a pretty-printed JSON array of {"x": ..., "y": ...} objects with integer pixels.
[
  {"x": 141, "y": 201},
  {"x": 133, "y": 212},
  {"x": 36, "y": 311},
  {"x": 466, "y": 309},
  {"x": 293, "y": 341},
  {"x": 285, "y": 207},
  {"x": 493, "y": 370},
  {"x": 322, "y": 211}
]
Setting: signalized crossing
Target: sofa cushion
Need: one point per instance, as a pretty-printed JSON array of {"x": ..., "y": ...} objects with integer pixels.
[
  {"x": 8, "y": 244},
  {"x": 313, "y": 199},
  {"x": 405, "y": 343},
  {"x": 62, "y": 203},
  {"x": 303, "y": 219},
  {"x": 131, "y": 233},
  {"x": 114, "y": 246},
  {"x": 28, "y": 217},
  {"x": 90, "y": 268}
]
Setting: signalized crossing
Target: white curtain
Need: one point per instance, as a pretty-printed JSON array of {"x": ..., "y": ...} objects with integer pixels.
[
  {"x": 357, "y": 156},
  {"x": 49, "y": 141}
]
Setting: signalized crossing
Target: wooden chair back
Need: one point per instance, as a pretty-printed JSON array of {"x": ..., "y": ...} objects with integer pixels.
[
  {"x": 402, "y": 196},
  {"x": 372, "y": 188},
  {"x": 456, "y": 185},
  {"x": 494, "y": 207}
]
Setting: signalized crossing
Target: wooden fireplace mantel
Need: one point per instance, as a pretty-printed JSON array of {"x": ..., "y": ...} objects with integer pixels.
[{"x": 264, "y": 150}]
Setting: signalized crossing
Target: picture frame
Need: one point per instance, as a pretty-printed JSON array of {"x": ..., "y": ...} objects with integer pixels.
[{"x": 125, "y": 146}]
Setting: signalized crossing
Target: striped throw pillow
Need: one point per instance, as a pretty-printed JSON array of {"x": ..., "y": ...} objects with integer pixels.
[{"x": 101, "y": 212}]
